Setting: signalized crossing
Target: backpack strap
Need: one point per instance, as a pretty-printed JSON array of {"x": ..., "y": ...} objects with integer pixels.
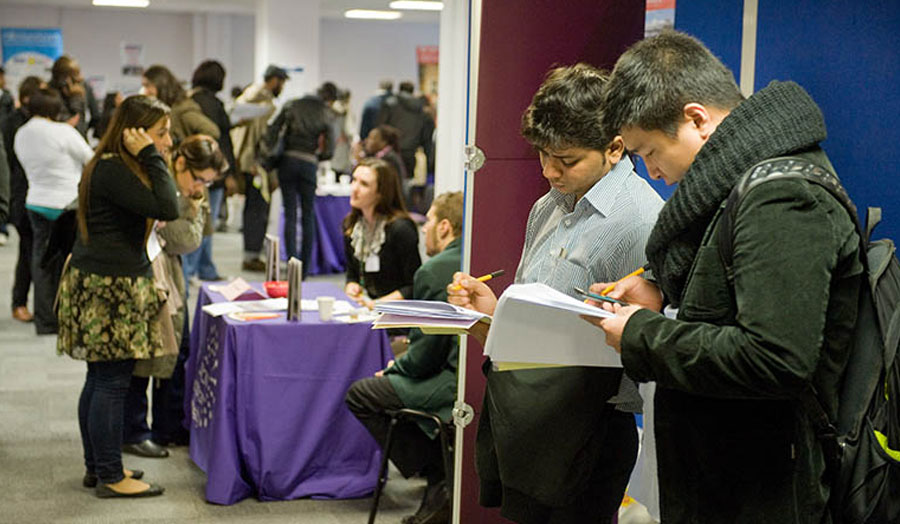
[
  {"x": 780, "y": 168},
  {"x": 873, "y": 218}
]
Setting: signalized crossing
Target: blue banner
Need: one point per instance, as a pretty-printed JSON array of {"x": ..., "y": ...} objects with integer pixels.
[{"x": 29, "y": 51}]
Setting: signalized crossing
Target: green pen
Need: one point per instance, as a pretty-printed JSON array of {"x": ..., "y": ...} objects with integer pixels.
[{"x": 601, "y": 298}]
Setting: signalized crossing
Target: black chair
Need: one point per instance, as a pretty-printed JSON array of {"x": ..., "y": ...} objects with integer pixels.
[{"x": 446, "y": 434}]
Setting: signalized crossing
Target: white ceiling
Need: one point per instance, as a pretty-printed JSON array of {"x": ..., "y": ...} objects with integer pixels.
[{"x": 329, "y": 8}]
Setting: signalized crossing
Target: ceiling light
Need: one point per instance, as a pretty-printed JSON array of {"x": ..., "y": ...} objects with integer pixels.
[
  {"x": 122, "y": 3},
  {"x": 418, "y": 5},
  {"x": 372, "y": 14}
]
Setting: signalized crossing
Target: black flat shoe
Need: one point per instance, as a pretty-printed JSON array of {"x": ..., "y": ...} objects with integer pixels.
[
  {"x": 90, "y": 479},
  {"x": 147, "y": 448},
  {"x": 105, "y": 492}
]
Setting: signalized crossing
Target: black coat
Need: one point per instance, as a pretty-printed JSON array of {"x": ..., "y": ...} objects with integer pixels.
[
  {"x": 733, "y": 444},
  {"x": 18, "y": 184},
  {"x": 214, "y": 109},
  {"x": 304, "y": 122}
]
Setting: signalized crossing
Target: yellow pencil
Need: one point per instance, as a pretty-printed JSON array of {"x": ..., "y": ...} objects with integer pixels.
[
  {"x": 634, "y": 273},
  {"x": 483, "y": 278}
]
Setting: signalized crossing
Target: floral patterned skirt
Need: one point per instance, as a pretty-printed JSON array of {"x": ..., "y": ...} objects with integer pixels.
[{"x": 104, "y": 318}]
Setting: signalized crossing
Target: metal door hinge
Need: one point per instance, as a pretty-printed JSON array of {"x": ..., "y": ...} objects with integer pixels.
[
  {"x": 462, "y": 414},
  {"x": 474, "y": 157}
]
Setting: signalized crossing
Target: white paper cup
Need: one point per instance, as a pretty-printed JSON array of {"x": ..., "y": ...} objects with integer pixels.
[{"x": 326, "y": 308}]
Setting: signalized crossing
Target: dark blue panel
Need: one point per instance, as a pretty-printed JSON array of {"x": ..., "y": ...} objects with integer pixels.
[
  {"x": 718, "y": 24},
  {"x": 664, "y": 191},
  {"x": 847, "y": 55}
]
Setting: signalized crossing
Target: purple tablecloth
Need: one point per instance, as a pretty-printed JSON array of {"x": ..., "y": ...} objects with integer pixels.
[
  {"x": 328, "y": 248},
  {"x": 265, "y": 403}
]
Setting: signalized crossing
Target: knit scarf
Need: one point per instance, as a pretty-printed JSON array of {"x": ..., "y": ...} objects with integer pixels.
[{"x": 775, "y": 121}]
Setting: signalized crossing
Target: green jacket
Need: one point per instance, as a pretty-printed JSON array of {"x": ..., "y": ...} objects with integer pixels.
[
  {"x": 425, "y": 376},
  {"x": 733, "y": 445}
]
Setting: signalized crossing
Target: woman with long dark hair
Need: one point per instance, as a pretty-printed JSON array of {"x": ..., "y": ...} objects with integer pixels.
[
  {"x": 108, "y": 304},
  {"x": 187, "y": 117},
  {"x": 380, "y": 240}
]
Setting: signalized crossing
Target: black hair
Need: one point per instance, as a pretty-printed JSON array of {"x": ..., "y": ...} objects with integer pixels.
[
  {"x": 328, "y": 92},
  {"x": 45, "y": 102},
  {"x": 566, "y": 110},
  {"x": 407, "y": 87},
  {"x": 210, "y": 74},
  {"x": 656, "y": 77}
]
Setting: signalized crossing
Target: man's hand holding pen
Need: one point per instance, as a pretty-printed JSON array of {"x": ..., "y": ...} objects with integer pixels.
[{"x": 472, "y": 293}]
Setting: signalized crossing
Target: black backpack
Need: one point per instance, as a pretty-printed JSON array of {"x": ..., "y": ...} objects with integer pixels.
[{"x": 862, "y": 447}]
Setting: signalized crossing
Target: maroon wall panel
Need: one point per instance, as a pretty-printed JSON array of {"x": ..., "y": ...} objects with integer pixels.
[{"x": 520, "y": 41}]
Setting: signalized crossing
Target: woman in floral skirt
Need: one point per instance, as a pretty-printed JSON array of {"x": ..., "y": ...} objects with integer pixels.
[{"x": 108, "y": 305}]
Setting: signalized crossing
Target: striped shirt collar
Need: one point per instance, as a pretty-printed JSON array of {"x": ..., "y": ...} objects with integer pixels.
[{"x": 601, "y": 195}]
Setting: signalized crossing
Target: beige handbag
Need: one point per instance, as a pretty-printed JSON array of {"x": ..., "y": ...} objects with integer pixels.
[{"x": 162, "y": 364}]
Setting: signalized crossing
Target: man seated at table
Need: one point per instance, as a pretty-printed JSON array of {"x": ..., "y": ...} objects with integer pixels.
[{"x": 424, "y": 377}]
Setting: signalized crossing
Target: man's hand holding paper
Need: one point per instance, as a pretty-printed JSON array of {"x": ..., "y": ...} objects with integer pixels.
[{"x": 637, "y": 291}]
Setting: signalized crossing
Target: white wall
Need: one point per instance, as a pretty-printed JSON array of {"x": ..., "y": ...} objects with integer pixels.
[
  {"x": 94, "y": 37},
  {"x": 357, "y": 54}
]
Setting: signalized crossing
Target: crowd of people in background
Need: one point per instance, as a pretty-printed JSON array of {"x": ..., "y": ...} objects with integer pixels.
[
  {"x": 87, "y": 187},
  {"x": 288, "y": 149}
]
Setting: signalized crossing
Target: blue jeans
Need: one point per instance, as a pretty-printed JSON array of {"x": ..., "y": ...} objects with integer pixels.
[
  {"x": 297, "y": 178},
  {"x": 200, "y": 262},
  {"x": 100, "y": 417}
]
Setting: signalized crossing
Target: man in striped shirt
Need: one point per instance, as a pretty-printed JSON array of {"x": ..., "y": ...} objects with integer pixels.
[{"x": 558, "y": 445}]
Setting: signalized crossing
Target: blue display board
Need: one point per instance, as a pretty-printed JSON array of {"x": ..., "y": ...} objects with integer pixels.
[
  {"x": 845, "y": 54},
  {"x": 28, "y": 51}
]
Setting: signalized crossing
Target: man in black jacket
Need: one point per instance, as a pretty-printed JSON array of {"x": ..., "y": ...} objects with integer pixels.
[
  {"x": 305, "y": 127},
  {"x": 733, "y": 442}
]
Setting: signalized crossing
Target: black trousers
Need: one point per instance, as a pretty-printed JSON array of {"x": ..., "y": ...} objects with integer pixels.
[
  {"x": 297, "y": 180},
  {"x": 604, "y": 490},
  {"x": 413, "y": 452},
  {"x": 46, "y": 278},
  {"x": 168, "y": 404},
  {"x": 22, "y": 282},
  {"x": 256, "y": 217}
]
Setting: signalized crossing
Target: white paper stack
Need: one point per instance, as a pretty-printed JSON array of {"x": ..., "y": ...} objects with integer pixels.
[
  {"x": 222, "y": 308},
  {"x": 535, "y": 326},
  {"x": 431, "y": 316}
]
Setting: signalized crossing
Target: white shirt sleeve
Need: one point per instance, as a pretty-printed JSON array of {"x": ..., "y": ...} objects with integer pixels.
[{"x": 77, "y": 146}]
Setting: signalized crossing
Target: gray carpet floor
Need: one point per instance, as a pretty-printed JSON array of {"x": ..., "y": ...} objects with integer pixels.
[{"x": 40, "y": 449}]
